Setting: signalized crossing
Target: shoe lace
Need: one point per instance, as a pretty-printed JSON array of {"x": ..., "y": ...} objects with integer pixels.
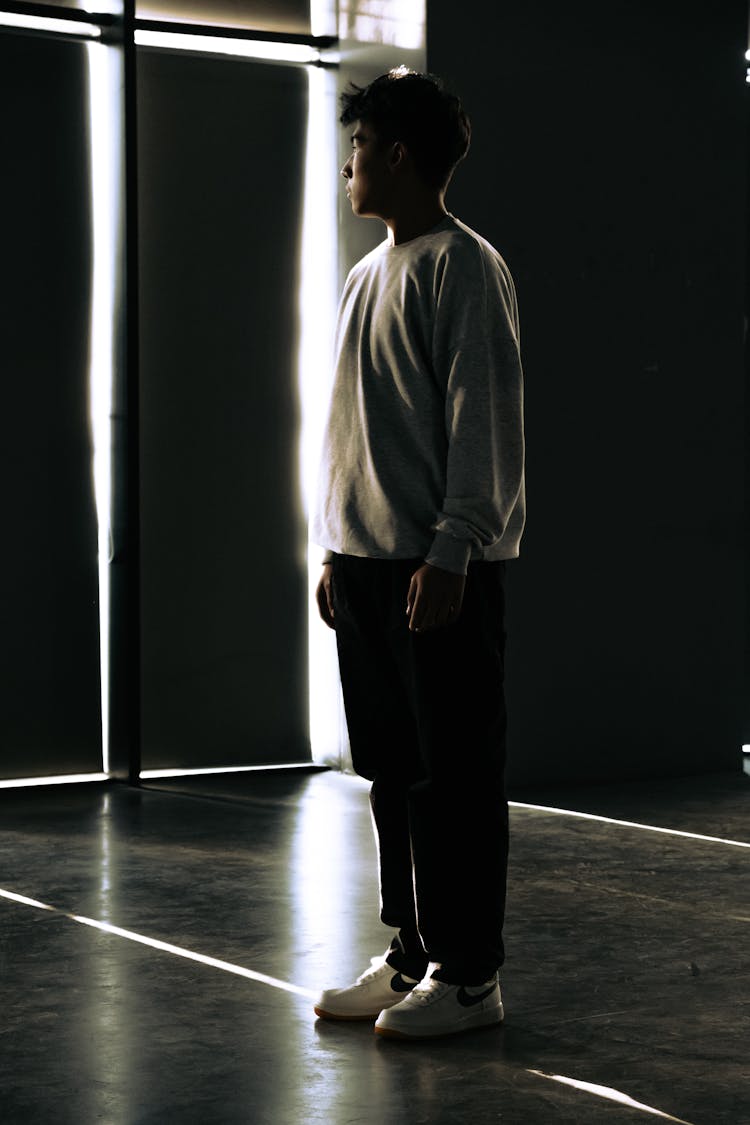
[
  {"x": 376, "y": 964},
  {"x": 427, "y": 991}
]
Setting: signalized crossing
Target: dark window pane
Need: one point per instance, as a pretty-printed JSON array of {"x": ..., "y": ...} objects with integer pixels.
[
  {"x": 221, "y": 163},
  {"x": 50, "y": 721},
  {"x": 282, "y": 16}
]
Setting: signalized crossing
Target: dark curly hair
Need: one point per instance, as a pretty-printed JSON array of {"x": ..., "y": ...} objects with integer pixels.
[{"x": 417, "y": 110}]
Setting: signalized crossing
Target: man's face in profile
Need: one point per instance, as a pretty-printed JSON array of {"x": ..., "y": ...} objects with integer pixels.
[{"x": 366, "y": 172}]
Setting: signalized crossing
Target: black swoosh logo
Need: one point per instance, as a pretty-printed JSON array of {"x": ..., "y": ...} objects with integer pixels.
[
  {"x": 468, "y": 1000},
  {"x": 398, "y": 984}
]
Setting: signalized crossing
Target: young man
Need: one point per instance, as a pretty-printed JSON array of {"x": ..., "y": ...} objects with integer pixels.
[{"x": 421, "y": 503}]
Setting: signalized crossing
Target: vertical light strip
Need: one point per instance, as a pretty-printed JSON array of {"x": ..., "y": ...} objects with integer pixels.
[
  {"x": 318, "y": 274},
  {"x": 101, "y": 7},
  {"x": 317, "y": 311},
  {"x": 105, "y": 153},
  {"x": 323, "y": 17}
]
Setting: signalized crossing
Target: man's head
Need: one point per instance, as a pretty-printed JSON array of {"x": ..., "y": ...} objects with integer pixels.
[{"x": 405, "y": 125}]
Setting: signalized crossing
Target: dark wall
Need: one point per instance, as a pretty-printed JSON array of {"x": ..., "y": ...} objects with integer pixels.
[
  {"x": 50, "y": 719},
  {"x": 608, "y": 166},
  {"x": 221, "y": 160},
  {"x": 746, "y": 708}
]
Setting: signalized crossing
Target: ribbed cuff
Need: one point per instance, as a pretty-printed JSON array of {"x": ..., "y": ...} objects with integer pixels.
[{"x": 449, "y": 553}]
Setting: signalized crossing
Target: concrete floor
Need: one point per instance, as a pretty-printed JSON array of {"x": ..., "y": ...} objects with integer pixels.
[{"x": 627, "y": 972}]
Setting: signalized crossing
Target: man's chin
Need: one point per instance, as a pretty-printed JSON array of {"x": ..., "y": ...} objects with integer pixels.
[{"x": 363, "y": 212}]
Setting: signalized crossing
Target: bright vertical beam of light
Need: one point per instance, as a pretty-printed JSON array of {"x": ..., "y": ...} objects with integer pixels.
[
  {"x": 317, "y": 315},
  {"x": 323, "y": 17},
  {"x": 105, "y": 158},
  {"x": 318, "y": 273},
  {"x": 110, "y": 7},
  {"x": 321, "y": 835}
]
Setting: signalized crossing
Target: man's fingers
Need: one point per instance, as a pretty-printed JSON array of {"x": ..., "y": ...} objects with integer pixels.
[
  {"x": 426, "y": 616},
  {"x": 411, "y": 603},
  {"x": 434, "y": 600},
  {"x": 322, "y": 606},
  {"x": 421, "y": 609},
  {"x": 325, "y": 604},
  {"x": 422, "y": 614},
  {"x": 327, "y": 583},
  {"x": 415, "y": 609},
  {"x": 414, "y": 618},
  {"x": 410, "y": 597}
]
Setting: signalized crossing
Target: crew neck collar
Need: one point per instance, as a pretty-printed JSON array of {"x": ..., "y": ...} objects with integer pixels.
[{"x": 446, "y": 222}]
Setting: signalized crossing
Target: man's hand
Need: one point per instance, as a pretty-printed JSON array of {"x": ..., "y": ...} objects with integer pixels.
[
  {"x": 434, "y": 599},
  {"x": 324, "y": 596}
]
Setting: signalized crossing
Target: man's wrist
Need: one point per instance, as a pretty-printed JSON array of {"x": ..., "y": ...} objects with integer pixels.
[{"x": 448, "y": 553}]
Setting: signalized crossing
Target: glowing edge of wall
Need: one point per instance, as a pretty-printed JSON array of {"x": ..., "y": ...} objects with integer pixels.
[
  {"x": 225, "y": 45},
  {"x": 105, "y": 72},
  {"x": 27, "y": 22},
  {"x": 318, "y": 298}
]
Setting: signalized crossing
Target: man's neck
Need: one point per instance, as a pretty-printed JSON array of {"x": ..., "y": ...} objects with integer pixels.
[{"x": 412, "y": 221}]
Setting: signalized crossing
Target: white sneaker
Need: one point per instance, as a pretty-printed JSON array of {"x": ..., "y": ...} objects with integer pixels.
[
  {"x": 437, "y": 1008},
  {"x": 379, "y": 987}
]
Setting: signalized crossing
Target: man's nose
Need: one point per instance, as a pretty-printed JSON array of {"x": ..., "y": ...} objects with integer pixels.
[{"x": 346, "y": 171}]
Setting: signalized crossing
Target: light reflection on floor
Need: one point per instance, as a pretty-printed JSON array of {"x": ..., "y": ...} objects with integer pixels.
[
  {"x": 608, "y": 1093},
  {"x": 163, "y": 946},
  {"x": 597, "y": 983}
]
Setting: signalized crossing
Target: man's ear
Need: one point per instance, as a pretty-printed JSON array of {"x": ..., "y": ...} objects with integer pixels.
[{"x": 397, "y": 155}]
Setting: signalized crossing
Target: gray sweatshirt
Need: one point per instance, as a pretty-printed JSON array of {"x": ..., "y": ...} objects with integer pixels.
[{"x": 423, "y": 453}]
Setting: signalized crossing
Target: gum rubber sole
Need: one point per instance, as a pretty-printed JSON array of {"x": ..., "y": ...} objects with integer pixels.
[
  {"x": 322, "y": 1014},
  {"x": 393, "y": 1033}
]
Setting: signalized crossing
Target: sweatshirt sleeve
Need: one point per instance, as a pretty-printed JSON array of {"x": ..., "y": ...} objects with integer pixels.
[{"x": 477, "y": 363}]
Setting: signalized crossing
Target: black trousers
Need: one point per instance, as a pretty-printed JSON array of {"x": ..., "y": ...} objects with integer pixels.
[{"x": 426, "y": 718}]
